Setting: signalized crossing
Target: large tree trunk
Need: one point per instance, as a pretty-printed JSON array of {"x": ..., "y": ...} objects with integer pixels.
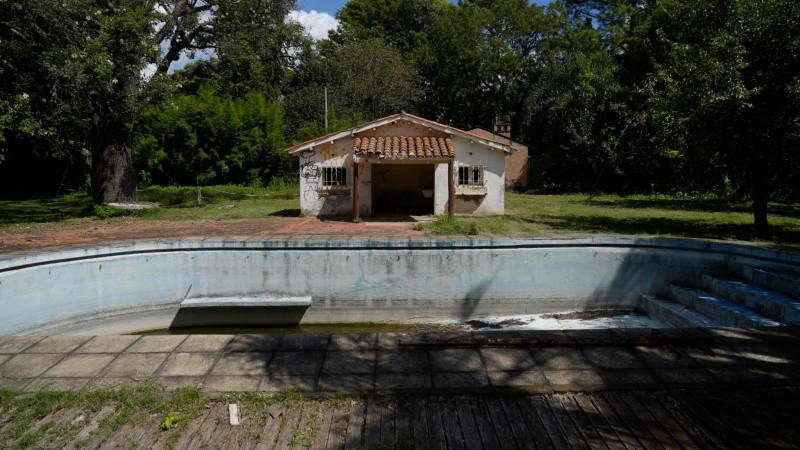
[{"x": 113, "y": 177}]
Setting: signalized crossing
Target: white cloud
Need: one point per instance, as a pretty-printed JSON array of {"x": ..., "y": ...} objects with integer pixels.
[{"x": 316, "y": 23}]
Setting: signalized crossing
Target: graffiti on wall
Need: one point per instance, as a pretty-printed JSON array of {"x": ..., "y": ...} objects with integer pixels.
[{"x": 309, "y": 170}]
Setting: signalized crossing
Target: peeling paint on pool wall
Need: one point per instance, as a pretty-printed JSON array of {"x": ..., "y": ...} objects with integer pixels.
[{"x": 140, "y": 286}]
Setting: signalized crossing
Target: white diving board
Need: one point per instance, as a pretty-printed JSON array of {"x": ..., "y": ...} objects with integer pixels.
[{"x": 250, "y": 302}]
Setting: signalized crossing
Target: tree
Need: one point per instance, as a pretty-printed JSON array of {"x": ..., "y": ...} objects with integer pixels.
[
  {"x": 480, "y": 57},
  {"x": 726, "y": 86},
  {"x": 398, "y": 23},
  {"x": 365, "y": 80},
  {"x": 210, "y": 138},
  {"x": 93, "y": 61},
  {"x": 372, "y": 79}
]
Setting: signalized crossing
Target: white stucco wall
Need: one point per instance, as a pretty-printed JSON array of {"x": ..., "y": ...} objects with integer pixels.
[
  {"x": 441, "y": 192},
  {"x": 315, "y": 201},
  {"x": 472, "y": 153}
]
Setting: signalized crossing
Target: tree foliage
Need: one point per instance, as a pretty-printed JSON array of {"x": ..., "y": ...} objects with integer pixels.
[
  {"x": 207, "y": 138},
  {"x": 89, "y": 66}
]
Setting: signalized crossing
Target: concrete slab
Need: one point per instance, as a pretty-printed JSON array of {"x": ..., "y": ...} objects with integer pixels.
[
  {"x": 764, "y": 354},
  {"x": 57, "y": 344},
  {"x": 513, "y": 359},
  {"x": 574, "y": 380},
  {"x": 388, "y": 341},
  {"x": 171, "y": 382},
  {"x": 59, "y": 384},
  {"x": 349, "y": 362},
  {"x": 28, "y": 365},
  {"x": 296, "y": 342},
  {"x": 187, "y": 364},
  {"x": 15, "y": 383},
  {"x": 275, "y": 383},
  {"x": 17, "y": 344},
  {"x": 254, "y": 343},
  {"x": 135, "y": 365},
  {"x": 732, "y": 335},
  {"x": 349, "y": 383},
  {"x": 560, "y": 358},
  {"x": 80, "y": 365},
  {"x": 627, "y": 378},
  {"x": 107, "y": 344},
  {"x": 662, "y": 357},
  {"x": 397, "y": 361},
  {"x": 533, "y": 378},
  {"x": 156, "y": 344},
  {"x": 242, "y": 364},
  {"x": 713, "y": 356},
  {"x": 353, "y": 341},
  {"x": 111, "y": 382},
  {"x": 204, "y": 343},
  {"x": 402, "y": 381},
  {"x": 460, "y": 380},
  {"x": 611, "y": 358},
  {"x": 456, "y": 360},
  {"x": 685, "y": 377},
  {"x": 295, "y": 363},
  {"x": 239, "y": 383}
]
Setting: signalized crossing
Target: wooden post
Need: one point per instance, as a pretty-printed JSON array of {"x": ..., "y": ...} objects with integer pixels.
[
  {"x": 451, "y": 188},
  {"x": 356, "y": 212}
]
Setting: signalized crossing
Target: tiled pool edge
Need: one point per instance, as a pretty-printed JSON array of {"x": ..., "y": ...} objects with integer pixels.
[{"x": 497, "y": 362}]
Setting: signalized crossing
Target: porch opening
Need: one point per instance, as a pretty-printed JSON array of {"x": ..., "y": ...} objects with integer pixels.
[{"x": 403, "y": 188}]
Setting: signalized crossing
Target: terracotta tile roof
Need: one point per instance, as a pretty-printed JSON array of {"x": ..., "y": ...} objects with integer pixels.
[
  {"x": 500, "y": 139},
  {"x": 394, "y": 118},
  {"x": 400, "y": 147}
]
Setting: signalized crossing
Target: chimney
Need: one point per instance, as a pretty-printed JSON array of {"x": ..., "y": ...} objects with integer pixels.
[{"x": 503, "y": 129}]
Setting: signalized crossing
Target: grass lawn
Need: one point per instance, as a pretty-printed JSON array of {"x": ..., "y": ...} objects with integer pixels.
[
  {"x": 571, "y": 214},
  {"x": 114, "y": 417},
  {"x": 526, "y": 214}
]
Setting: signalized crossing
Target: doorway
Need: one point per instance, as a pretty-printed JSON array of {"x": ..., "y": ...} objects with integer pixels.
[{"x": 402, "y": 189}]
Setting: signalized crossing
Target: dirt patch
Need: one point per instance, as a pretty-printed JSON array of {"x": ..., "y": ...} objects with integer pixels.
[{"x": 95, "y": 231}]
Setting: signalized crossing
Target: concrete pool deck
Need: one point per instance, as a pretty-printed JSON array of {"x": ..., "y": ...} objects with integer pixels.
[{"x": 532, "y": 362}]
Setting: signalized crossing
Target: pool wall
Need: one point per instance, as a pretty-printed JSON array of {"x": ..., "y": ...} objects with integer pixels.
[{"x": 138, "y": 286}]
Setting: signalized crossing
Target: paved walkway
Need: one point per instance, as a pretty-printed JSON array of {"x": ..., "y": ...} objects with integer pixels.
[{"x": 529, "y": 362}]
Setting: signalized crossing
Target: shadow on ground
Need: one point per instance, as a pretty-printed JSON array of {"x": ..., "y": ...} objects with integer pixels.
[
  {"x": 663, "y": 226},
  {"x": 44, "y": 210}
]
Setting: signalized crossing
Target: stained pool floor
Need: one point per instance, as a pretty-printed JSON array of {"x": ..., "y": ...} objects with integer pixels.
[
  {"x": 577, "y": 320},
  {"x": 570, "y": 320}
]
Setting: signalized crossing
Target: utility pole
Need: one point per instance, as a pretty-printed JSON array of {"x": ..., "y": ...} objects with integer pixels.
[{"x": 326, "y": 109}]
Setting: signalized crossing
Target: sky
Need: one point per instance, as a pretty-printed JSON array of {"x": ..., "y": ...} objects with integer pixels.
[{"x": 318, "y": 15}]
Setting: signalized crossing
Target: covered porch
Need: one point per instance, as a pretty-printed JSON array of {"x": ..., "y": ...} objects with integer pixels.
[{"x": 403, "y": 175}]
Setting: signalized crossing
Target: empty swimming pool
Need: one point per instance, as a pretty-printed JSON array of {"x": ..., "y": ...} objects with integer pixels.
[{"x": 131, "y": 287}]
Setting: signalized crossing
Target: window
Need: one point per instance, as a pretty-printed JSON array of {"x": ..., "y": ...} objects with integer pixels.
[
  {"x": 334, "y": 176},
  {"x": 470, "y": 175}
]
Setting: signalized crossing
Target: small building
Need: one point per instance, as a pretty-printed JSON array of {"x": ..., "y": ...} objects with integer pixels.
[
  {"x": 401, "y": 164},
  {"x": 517, "y": 162}
]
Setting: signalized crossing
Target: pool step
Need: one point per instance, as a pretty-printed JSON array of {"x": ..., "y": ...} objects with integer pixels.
[
  {"x": 675, "y": 314},
  {"x": 767, "y": 302},
  {"x": 787, "y": 283},
  {"x": 724, "y": 311}
]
